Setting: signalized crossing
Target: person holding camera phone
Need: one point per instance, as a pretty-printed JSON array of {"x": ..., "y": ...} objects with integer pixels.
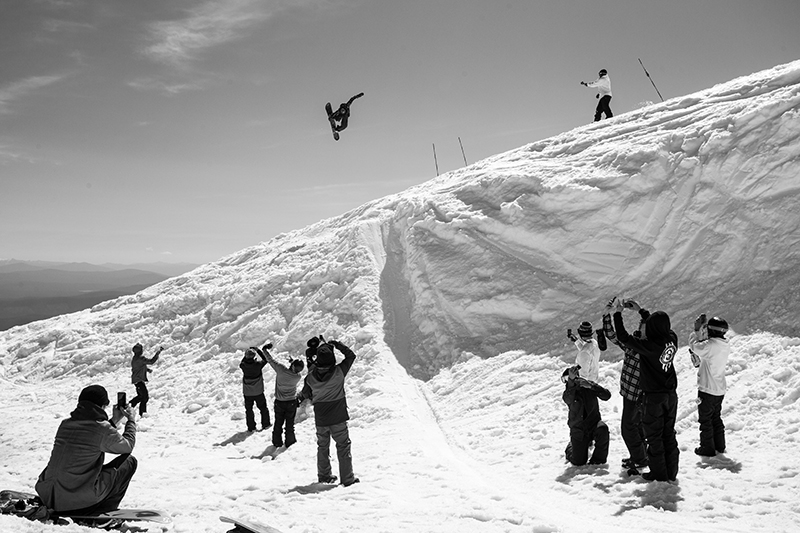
[
  {"x": 324, "y": 386},
  {"x": 75, "y": 481},
  {"x": 710, "y": 352},
  {"x": 253, "y": 388},
  {"x": 285, "y": 406},
  {"x": 588, "y": 357},
  {"x": 659, "y": 384},
  {"x": 629, "y": 388},
  {"x": 139, "y": 371}
]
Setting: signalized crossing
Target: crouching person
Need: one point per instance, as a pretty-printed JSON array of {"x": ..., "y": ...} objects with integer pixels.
[
  {"x": 324, "y": 386},
  {"x": 585, "y": 425},
  {"x": 75, "y": 481}
]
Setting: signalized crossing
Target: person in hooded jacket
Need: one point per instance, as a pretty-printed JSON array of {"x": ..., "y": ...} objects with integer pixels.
[
  {"x": 588, "y": 358},
  {"x": 603, "y": 85},
  {"x": 710, "y": 351},
  {"x": 659, "y": 384},
  {"x": 324, "y": 386},
  {"x": 584, "y": 421},
  {"x": 286, "y": 380},
  {"x": 631, "y": 418},
  {"x": 139, "y": 371},
  {"x": 253, "y": 388},
  {"x": 75, "y": 481}
]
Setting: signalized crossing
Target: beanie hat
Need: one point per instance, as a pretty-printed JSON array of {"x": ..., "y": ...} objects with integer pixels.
[
  {"x": 325, "y": 355},
  {"x": 585, "y": 330},
  {"x": 95, "y": 394}
]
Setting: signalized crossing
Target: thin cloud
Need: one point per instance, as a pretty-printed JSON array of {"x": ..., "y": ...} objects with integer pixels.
[
  {"x": 150, "y": 84},
  {"x": 22, "y": 88},
  {"x": 211, "y": 24}
]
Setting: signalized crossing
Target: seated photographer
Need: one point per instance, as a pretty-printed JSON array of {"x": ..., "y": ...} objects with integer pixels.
[
  {"x": 75, "y": 480},
  {"x": 585, "y": 425}
]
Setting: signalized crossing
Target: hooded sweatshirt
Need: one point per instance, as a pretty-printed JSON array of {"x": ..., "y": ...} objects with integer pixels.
[
  {"x": 74, "y": 477},
  {"x": 324, "y": 385},
  {"x": 656, "y": 352}
]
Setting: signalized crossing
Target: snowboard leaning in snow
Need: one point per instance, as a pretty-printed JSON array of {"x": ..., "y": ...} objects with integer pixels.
[
  {"x": 329, "y": 109},
  {"x": 134, "y": 515},
  {"x": 243, "y": 526}
]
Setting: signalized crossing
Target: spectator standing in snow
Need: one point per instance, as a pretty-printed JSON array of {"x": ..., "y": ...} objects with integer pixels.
[
  {"x": 75, "y": 480},
  {"x": 629, "y": 389},
  {"x": 659, "y": 384},
  {"x": 324, "y": 386},
  {"x": 253, "y": 388},
  {"x": 285, "y": 407},
  {"x": 588, "y": 357},
  {"x": 710, "y": 352},
  {"x": 584, "y": 421},
  {"x": 603, "y": 85},
  {"x": 139, "y": 371}
]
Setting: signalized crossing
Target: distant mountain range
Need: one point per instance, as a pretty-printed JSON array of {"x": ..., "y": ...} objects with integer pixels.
[{"x": 35, "y": 290}]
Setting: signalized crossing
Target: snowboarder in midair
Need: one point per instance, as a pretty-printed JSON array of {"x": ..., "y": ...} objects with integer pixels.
[
  {"x": 339, "y": 118},
  {"x": 603, "y": 85}
]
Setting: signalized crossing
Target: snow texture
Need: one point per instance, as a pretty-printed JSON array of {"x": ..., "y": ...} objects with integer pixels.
[{"x": 456, "y": 295}]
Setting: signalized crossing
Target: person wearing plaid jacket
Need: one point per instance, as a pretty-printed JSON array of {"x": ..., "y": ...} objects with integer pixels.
[{"x": 629, "y": 389}]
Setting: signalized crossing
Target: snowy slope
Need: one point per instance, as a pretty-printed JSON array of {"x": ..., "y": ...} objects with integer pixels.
[{"x": 688, "y": 205}]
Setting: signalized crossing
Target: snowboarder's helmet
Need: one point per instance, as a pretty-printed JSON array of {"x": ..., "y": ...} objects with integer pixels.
[
  {"x": 717, "y": 327},
  {"x": 603, "y": 72}
]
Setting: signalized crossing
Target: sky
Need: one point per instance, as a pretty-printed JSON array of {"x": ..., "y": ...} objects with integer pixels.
[
  {"x": 455, "y": 297},
  {"x": 184, "y": 131}
]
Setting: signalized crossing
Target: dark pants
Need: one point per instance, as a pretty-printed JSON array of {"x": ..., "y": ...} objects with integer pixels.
[
  {"x": 341, "y": 436},
  {"x": 285, "y": 411},
  {"x": 603, "y": 106},
  {"x": 261, "y": 402},
  {"x": 658, "y": 421},
  {"x": 125, "y": 466},
  {"x": 577, "y": 451},
  {"x": 141, "y": 397},
  {"x": 631, "y": 429},
  {"x": 712, "y": 430}
]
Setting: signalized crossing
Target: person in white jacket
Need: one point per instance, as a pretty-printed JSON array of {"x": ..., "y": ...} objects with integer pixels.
[
  {"x": 603, "y": 86},
  {"x": 710, "y": 351},
  {"x": 588, "y": 358}
]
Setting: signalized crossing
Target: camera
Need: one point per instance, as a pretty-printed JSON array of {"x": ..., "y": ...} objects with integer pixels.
[{"x": 122, "y": 400}]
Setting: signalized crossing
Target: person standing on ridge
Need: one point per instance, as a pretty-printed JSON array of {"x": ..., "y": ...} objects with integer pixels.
[
  {"x": 324, "y": 386},
  {"x": 629, "y": 388},
  {"x": 710, "y": 351},
  {"x": 286, "y": 380},
  {"x": 603, "y": 85},
  {"x": 588, "y": 357},
  {"x": 139, "y": 371},
  {"x": 75, "y": 481},
  {"x": 659, "y": 384},
  {"x": 253, "y": 388}
]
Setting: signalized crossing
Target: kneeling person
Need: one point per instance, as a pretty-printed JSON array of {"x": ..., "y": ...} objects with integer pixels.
[
  {"x": 585, "y": 425},
  {"x": 75, "y": 480}
]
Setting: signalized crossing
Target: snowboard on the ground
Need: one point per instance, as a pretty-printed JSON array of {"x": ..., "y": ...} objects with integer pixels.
[
  {"x": 126, "y": 515},
  {"x": 243, "y": 526},
  {"x": 329, "y": 110}
]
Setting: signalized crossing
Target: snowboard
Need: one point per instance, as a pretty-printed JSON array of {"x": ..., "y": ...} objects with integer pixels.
[
  {"x": 125, "y": 515},
  {"x": 329, "y": 110},
  {"x": 243, "y": 526}
]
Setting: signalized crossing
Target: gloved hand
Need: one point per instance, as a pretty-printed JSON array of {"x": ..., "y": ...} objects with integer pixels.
[
  {"x": 583, "y": 83},
  {"x": 695, "y": 358},
  {"x": 571, "y": 336},
  {"x": 699, "y": 322}
]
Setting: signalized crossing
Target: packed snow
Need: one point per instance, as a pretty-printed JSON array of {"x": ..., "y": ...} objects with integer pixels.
[{"x": 456, "y": 296}]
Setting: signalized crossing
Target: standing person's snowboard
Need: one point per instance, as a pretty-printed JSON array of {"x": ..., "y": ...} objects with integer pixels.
[
  {"x": 329, "y": 110},
  {"x": 243, "y": 526}
]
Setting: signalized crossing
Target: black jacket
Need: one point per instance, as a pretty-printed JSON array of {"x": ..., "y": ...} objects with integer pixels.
[
  {"x": 656, "y": 352},
  {"x": 584, "y": 413}
]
